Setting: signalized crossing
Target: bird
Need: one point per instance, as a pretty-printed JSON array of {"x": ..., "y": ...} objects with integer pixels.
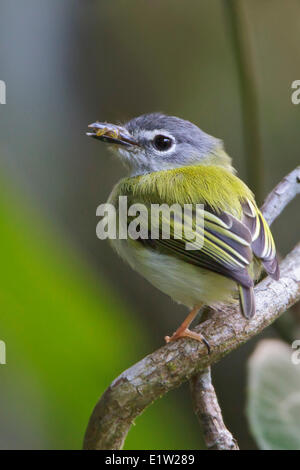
[{"x": 170, "y": 160}]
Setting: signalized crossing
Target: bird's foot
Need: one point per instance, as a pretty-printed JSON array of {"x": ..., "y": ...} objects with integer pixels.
[{"x": 186, "y": 333}]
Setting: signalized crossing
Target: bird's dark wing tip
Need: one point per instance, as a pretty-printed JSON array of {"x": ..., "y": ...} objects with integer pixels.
[
  {"x": 247, "y": 301},
  {"x": 272, "y": 268}
]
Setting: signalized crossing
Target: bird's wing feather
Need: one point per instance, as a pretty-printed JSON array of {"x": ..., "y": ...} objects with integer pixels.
[
  {"x": 224, "y": 243},
  {"x": 263, "y": 245}
]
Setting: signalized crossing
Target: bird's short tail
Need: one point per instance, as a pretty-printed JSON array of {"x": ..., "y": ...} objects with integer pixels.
[{"x": 247, "y": 301}]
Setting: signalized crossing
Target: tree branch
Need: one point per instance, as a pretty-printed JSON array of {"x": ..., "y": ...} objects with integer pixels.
[
  {"x": 175, "y": 363},
  {"x": 281, "y": 196},
  {"x": 208, "y": 412}
]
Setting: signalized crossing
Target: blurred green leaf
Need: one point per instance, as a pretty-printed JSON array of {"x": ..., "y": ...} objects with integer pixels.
[
  {"x": 274, "y": 396},
  {"x": 67, "y": 337}
]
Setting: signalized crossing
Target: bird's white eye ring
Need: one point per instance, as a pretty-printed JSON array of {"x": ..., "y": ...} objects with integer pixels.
[{"x": 162, "y": 142}]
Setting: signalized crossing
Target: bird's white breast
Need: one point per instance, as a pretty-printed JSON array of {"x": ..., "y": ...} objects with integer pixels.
[{"x": 183, "y": 282}]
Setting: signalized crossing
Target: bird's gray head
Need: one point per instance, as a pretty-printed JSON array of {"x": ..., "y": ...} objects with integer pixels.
[{"x": 155, "y": 142}]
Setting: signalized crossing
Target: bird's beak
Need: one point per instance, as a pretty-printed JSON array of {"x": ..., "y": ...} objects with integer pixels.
[{"x": 111, "y": 133}]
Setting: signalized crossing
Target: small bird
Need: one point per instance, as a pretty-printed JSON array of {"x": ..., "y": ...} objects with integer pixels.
[{"x": 172, "y": 161}]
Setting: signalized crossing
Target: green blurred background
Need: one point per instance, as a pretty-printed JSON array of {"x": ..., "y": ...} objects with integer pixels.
[{"x": 73, "y": 316}]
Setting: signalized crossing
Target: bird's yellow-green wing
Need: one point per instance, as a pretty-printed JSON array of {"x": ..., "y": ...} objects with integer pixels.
[{"x": 221, "y": 243}]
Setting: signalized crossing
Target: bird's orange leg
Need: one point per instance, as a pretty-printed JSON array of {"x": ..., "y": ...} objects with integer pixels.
[{"x": 183, "y": 331}]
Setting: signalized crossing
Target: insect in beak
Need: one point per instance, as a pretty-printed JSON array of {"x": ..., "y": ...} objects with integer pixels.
[{"x": 111, "y": 133}]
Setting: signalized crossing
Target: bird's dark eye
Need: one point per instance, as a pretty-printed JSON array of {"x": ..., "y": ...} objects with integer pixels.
[{"x": 162, "y": 143}]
